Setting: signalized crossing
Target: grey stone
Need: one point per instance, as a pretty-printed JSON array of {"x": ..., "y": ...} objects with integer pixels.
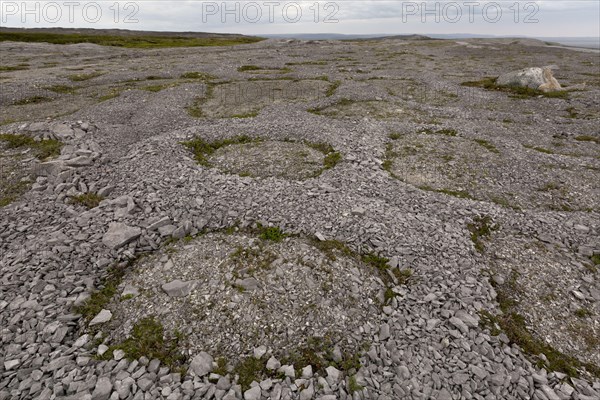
[
  {"x": 102, "y": 317},
  {"x": 130, "y": 291},
  {"x": 287, "y": 370},
  {"x": 178, "y": 288},
  {"x": 307, "y": 372},
  {"x": 252, "y": 393},
  {"x": 103, "y": 389},
  {"x": 333, "y": 375},
  {"x": 444, "y": 394},
  {"x": 250, "y": 284},
  {"x": 202, "y": 364},
  {"x": 479, "y": 372},
  {"x": 223, "y": 383},
  {"x": 549, "y": 393},
  {"x": 119, "y": 234},
  {"x": 358, "y": 211},
  {"x": 260, "y": 351},
  {"x": 81, "y": 161},
  {"x": 145, "y": 384},
  {"x": 8, "y": 365},
  {"x": 384, "y": 332},
  {"x": 273, "y": 364}
]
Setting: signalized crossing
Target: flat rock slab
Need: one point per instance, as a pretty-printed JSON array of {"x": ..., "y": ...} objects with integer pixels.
[
  {"x": 178, "y": 288},
  {"x": 102, "y": 317},
  {"x": 118, "y": 235}
]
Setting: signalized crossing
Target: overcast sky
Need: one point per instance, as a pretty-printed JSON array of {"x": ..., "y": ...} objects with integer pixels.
[{"x": 531, "y": 18}]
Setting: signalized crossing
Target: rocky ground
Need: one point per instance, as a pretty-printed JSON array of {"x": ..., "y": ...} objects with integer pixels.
[{"x": 297, "y": 220}]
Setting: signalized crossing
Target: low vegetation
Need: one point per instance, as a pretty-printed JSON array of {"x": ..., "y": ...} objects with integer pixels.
[
  {"x": 539, "y": 149},
  {"x": 514, "y": 325},
  {"x": 32, "y": 100},
  {"x": 587, "y": 138},
  {"x": 390, "y": 276},
  {"x": 203, "y": 149},
  {"x": 445, "y": 132},
  {"x": 487, "y": 145},
  {"x": 332, "y": 88},
  {"x": 88, "y": 200},
  {"x": 11, "y": 191},
  {"x": 148, "y": 339},
  {"x": 63, "y": 89},
  {"x": 203, "y": 76},
  {"x": 129, "y": 41},
  {"x": 272, "y": 233},
  {"x": 249, "y": 370},
  {"x": 481, "y": 228},
  {"x": 42, "y": 149},
  {"x": 9, "y": 68},
  {"x": 100, "y": 299}
]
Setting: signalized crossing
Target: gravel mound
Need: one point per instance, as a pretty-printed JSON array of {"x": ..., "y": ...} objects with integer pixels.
[{"x": 246, "y": 292}]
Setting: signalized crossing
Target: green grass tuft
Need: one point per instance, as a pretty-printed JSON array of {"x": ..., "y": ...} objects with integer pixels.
[
  {"x": 271, "y": 233},
  {"x": 353, "y": 386},
  {"x": 148, "y": 339},
  {"x": 249, "y": 370},
  {"x": 100, "y": 299}
]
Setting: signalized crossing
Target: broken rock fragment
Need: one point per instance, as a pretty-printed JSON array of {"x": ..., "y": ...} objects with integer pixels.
[{"x": 118, "y": 235}]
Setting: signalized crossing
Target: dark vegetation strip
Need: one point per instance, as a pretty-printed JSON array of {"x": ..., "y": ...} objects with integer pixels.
[{"x": 128, "y": 41}]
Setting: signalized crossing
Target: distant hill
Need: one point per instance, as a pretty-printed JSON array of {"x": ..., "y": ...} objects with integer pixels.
[
  {"x": 123, "y": 37},
  {"x": 590, "y": 42}
]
